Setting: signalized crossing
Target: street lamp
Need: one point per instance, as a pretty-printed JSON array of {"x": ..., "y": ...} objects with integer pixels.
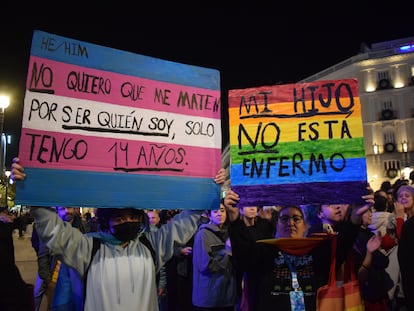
[
  {"x": 4, "y": 103},
  {"x": 376, "y": 148},
  {"x": 404, "y": 145}
]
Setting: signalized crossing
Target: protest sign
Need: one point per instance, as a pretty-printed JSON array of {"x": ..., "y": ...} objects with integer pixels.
[
  {"x": 108, "y": 128},
  {"x": 297, "y": 144}
]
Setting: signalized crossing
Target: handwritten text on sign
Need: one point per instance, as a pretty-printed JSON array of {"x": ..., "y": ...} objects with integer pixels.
[
  {"x": 108, "y": 128},
  {"x": 152, "y": 134},
  {"x": 292, "y": 137}
]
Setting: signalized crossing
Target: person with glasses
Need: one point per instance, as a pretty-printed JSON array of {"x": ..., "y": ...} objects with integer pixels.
[{"x": 289, "y": 269}]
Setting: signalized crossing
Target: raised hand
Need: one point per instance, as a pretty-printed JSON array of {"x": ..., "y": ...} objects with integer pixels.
[
  {"x": 220, "y": 178},
  {"x": 374, "y": 242},
  {"x": 358, "y": 211},
  {"x": 399, "y": 210},
  {"x": 230, "y": 201},
  {"x": 17, "y": 172}
]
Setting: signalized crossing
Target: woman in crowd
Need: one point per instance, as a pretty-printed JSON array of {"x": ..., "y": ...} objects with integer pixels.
[
  {"x": 214, "y": 279},
  {"x": 371, "y": 264},
  {"x": 289, "y": 270},
  {"x": 405, "y": 196}
]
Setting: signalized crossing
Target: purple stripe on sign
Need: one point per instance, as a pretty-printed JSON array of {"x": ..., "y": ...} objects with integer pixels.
[{"x": 306, "y": 193}]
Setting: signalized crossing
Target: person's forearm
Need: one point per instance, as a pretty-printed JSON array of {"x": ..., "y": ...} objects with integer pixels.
[
  {"x": 363, "y": 270},
  {"x": 62, "y": 239},
  {"x": 233, "y": 215},
  {"x": 366, "y": 263}
]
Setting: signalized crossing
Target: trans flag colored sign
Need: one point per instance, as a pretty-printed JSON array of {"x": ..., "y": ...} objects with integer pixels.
[{"x": 108, "y": 128}]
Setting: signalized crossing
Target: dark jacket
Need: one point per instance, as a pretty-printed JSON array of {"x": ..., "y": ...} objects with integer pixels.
[
  {"x": 378, "y": 282},
  {"x": 242, "y": 238},
  {"x": 405, "y": 247},
  {"x": 214, "y": 280},
  {"x": 268, "y": 267}
]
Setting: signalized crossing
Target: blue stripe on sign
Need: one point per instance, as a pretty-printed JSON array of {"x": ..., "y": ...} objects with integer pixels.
[
  {"x": 80, "y": 53},
  {"x": 46, "y": 187},
  {"x": 355, "y": 170}
]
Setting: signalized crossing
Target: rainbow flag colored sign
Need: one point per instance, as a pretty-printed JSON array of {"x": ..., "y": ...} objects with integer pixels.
[
  {"x": 108, "y": 128},
  {"x": 297, "y": 144}
]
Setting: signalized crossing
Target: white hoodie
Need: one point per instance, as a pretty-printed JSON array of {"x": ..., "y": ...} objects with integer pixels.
[{"x": 119, "y": 278}]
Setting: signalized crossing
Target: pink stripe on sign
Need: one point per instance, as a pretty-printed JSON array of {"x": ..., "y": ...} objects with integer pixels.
[
  {"x": 39, "y": 149},
  {"x": 87, "y": 83}
]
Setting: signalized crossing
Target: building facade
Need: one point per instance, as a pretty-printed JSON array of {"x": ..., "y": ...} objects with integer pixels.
[{"x": 385, "y": 73}]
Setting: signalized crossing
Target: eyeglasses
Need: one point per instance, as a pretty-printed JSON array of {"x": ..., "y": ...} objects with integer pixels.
[{"x": 285, "y": 219}]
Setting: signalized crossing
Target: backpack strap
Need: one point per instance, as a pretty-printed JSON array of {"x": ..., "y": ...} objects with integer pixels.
[
  {"x": 144, "y": 240},
  {"x": 96, "y": 244}
]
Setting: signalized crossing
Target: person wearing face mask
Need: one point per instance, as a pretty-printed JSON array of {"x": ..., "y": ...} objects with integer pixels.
[{"x": 121, "y": 273}]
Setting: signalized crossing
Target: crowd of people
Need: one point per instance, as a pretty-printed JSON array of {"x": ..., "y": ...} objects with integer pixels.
[{"x": 226, "y": 259}]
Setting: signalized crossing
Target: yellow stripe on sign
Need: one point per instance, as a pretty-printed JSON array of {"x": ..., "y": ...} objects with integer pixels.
[{"x": 299, "y": 130}]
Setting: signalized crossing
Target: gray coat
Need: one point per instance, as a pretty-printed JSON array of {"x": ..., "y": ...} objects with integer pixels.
[{"x": 214, "y": 281}]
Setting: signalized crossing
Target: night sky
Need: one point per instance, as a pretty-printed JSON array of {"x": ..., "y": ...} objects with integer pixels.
[{"x": 250, "y": 44}]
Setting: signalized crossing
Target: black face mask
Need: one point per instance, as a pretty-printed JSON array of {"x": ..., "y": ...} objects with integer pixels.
[{"x": 126, "y": 231}]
